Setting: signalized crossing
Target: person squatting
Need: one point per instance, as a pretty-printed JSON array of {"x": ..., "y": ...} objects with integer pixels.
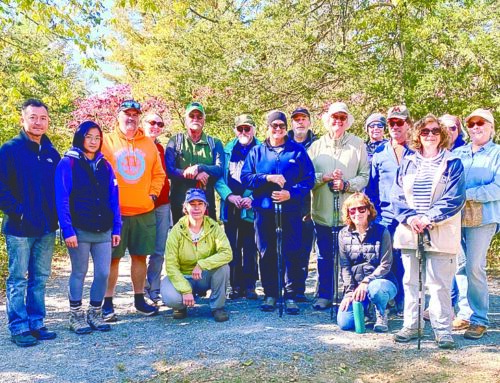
[{"x": 416, "y": 207}]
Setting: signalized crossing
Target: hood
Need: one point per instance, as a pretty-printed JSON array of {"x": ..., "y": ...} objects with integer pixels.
[{"x": 78, "y": 154}]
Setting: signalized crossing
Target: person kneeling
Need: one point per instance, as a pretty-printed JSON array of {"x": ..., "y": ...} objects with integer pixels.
[
  {"x": 365, "y": 261},
  {"x": 198, "y": 253}
]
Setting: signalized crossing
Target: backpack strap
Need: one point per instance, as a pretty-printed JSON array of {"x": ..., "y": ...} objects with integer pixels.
[{"x": 179, "y": 137}]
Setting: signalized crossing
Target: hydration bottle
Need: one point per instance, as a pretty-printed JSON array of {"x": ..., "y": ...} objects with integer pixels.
[{"x": 359, "y": 317}]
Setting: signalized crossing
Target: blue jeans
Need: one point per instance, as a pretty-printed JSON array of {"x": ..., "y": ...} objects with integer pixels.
[
  {"x": 26, "y": 297},
  {"x": 397, "y": 265},
  {"x": 155, "y": 263},
  {"x": 380, "y": 291},
  {"x": 477, "y": 241}
]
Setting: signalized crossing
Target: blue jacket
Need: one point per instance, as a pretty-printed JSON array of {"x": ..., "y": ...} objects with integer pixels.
[
  {"x": 86, "y": 199},
  {"x": 371, "y": 148},
  {"x": 224, "y": 190},
  {"x": 382, "y": 174},
  {"x": 482, "y": 178},
  {"x": 27, "y": 195},
  {"x": 293, "y": 163}
]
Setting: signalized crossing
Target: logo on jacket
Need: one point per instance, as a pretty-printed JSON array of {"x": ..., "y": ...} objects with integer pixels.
[{"x": 131, "y": 164}]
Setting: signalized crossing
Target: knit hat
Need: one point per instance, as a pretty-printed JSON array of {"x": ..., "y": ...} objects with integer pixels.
[
  {"x": 276, "y": 115},
  {"x": 375, "y": 117}
]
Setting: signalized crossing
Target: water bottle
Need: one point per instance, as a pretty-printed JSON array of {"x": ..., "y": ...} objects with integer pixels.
[{"x": 359, "y": 317}]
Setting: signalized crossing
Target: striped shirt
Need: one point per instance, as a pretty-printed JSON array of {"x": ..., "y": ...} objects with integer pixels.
[{"x": 422, "y": 188}]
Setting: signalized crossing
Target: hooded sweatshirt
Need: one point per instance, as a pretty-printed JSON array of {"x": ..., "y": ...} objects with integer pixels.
[{"x": 138, "y": 169}]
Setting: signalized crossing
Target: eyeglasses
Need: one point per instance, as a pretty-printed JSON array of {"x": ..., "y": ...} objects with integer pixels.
[
  {"x": 130, "y": 104},
  {"x": 157, "y": 123},
  {"x": 278, "y": 126},
  {"x": 452, "y": 128},
  {"x": 246, "y": 129},
  {"x": 471, "y": 124},
  {"x": 376, "y": 126},
  {"x": 93, "y": 138},
  {"x": 361, "y": 209},
  {"x": 434, "y": 131},
  {"x": 339, "y": 117},
  {"x": 398, "y": 122}
]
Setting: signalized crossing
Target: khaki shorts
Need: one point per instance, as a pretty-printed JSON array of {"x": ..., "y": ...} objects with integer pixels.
[{"x": 138, "y": 235}]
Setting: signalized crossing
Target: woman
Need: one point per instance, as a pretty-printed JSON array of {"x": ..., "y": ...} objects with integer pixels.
[
  {"x": 198, "y": 253},
  {"x": 280, "y": 174},
  {"x": 427, "y": 197},
  {"x": 365, "y": 261},
  {"x": 481, "y": 159},
  {"x": 90, "y": 221}
]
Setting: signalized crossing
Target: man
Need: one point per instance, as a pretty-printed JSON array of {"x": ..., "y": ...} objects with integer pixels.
[
  {"x": 140, "y": 176},
  {"x": 341, "y": 168},
  {"x": 27, "y": 198},
  {"x": 304, "y": 136},
  {"x": 375, "y": 126},
  {"x": 153, "y": 126},
  {"x": 193, "y": 160},
  {"x": 236, "y": 210},
  {"x": 385, "y": 163}
]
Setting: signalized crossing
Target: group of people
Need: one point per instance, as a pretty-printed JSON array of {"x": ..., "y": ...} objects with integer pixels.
[{"x": 364, "y": 205}]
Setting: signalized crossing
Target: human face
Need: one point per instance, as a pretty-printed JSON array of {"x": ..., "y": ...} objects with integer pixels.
[
  {"x": 195, "y": 120},
  {"x": 153, "y": 125},
  {"x": 277, "y": 130},
  {"x": 452, "y": 129},
  {"x": 128, "y": 122},
  {"x": 337, "y": 123},
  {"x": 398, "y": 130},
  {"x": 479, "y": 134},
  {"x": 376, "y": 131},
  {"x": 92, "y": 141},
  {"x": 359, "y": 215},
  {"x": 196, "y": 209},
  {"x": 300, "y": 125},
  {"x": 245, "y": 134},
  {"x": 35, "y": 121},
  {"x": 430, "y": 137}
]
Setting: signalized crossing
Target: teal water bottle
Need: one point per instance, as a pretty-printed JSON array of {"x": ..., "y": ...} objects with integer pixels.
[{"x": 359, "y": 317}]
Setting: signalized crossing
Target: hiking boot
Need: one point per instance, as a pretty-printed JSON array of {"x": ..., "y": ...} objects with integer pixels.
[
  {"x": 460, "y": 324},
  {"x": 144, "y": 308},
  {"x": 269, "y": 304},
  {"x": 220, "y": 315},
  {"x": 475, "y": 331},
  {"x": 381, "y": 322},
  {"x": 322, "y": 304},
  {"x": 291, "y": 307},
  {"x": 94, "y": 319},
  {"x": 445, "y": 342},
  {"x": 77, "y": 322},
  {"x": 43, "y": 333},
  {"x": 406, "y": 334},
  {"x": 108, "y": 313},
  {"x": 180, "y": 314},
  {"x": 24, "y": 339},
  {"x": 235, "y": 293},
  {"x": 251, "y": 294}
]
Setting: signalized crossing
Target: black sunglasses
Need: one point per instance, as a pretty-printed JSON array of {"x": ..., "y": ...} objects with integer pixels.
[{"x": 245, "y": 129}]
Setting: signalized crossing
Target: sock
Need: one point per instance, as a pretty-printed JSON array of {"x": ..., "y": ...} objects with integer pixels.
[
  {"x": 97, "y": 304},
  {"x": 75, "y": 305},
  {"x": 139, "y": 298},
  {"x": 108, "y": 303}
]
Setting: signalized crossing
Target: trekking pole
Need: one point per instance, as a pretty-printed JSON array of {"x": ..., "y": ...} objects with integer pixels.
[
  {"x": 279, "y": 255},
  {"x": 420, "y": 255},
  {"x": 335, "y": 234}
]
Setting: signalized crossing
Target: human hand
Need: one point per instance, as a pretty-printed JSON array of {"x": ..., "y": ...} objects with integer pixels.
[
  {"x": 190, "y": 172},
  {"x": 359, "y": 294},
  {"x": 115, "y": 240},
  {"x": 188, "y": 299},
  {"x": 417, "y": 224},
  {"x": 344, "y": 305},
  {"x": 246, "y": 203},
  {"x": 235, "y": 200},
  {"x": 196, "y": 273},
  {"x": 280, "y": 196},
  {"x": 71, "y": 242},
  {"x": 203, "y": 178},
  {"x": 277, "y": 179}
]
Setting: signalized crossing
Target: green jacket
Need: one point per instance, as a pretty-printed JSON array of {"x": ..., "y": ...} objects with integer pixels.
[
  {"x": 347, "y": 154},
  {"x": 213, "y": 251}
]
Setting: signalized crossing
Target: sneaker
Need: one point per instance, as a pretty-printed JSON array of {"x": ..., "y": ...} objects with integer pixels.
[
  {"x": 381, "y": 322},
  {"x": 94, "y": 319},
  {"x": 291, "y": 307},
  {"x": 301, "y": 298},
  {"x": 180, "y": 314},
  {"x": 460, "y": 324},
  {"x": 146, "y": 309},
  {"x": 24, "y": 339},
  {"x": 157, "y": 301},
  {"x": 234, "y": 293},
  {"x": 406, "y": 334},
  {"x": 220, "y": 315},
  {"x": 77, "y": 322},
  {"x": 251, "y": 294},
  {"x": 475, "y": 331},
  {"x": 43, "y": 333},
  {"x": 269, "y": 304},
  {"x": 445, "y": 342},
  {"x": 108, "y": 313},
  {"x": 322, "y": 304}
]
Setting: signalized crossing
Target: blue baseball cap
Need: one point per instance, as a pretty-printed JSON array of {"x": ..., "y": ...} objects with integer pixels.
[{"x": 195, "y": 194}]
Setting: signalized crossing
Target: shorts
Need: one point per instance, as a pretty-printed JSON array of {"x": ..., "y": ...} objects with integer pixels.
[{"x": 138, "y": 235}]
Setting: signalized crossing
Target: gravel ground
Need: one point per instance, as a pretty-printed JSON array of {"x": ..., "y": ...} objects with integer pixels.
[{"x": 138, "y": 348}]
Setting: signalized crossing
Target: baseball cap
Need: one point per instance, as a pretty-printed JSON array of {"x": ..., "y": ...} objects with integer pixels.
[
  {"x": 195, "y": 106},
  {"x": 398, "y": 111},
  {"x": 375, "y": 117},
  {"x": 129, "y": 104},
  {"x": 303, "y": 111},
  {"x": 195, "y": 194},
  {"x": 485, "y": 114},
  {"x": 244, "y": 119}
]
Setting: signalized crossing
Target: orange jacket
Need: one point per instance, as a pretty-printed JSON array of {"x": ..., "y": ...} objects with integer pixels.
[{"x": 138, "y": 169}]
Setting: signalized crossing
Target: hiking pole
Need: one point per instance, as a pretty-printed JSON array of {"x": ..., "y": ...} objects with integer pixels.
[
  {"x": 279, "y": 255},
  {"x": 421, "y": 241},
  {"x": 335, "y": 235}
]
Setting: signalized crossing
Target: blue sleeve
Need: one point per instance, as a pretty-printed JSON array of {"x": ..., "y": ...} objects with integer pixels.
[
  {"x": 114, "y": 201},
  {"x": 217, "y": 168},
  {"x": 372, "y": 189},
  {"x": 64, "y": 185},
  {"x": 250, "y": 179},
  {"x": 306, "y": 182},
  {"x": 170, "y": 160},
  {"x": 8, "y": 203}
]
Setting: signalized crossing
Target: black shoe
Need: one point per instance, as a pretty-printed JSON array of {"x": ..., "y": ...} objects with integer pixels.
[
  {"x": 251, "y": 294},
  {"x": 24, "y": 339},
  {"x": 146, "y": 309},
  {"x": 43, "y": 334},
  {"x": 291, "y": 307},
  {"x": 234, "y": 293},
  {"x": 180, "y": 314},
  {"x": 301, "y": 298},
  {"x": 269, "y": 304}
]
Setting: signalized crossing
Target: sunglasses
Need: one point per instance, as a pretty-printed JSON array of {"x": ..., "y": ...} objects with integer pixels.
[
  {"x": 278, "y": 126},
  {"x": 399, "y": 123},
  {"x": 157, "y": 123},
  {"x": 471, "y": 124},
  {"x": 130, "y": 104},
  {"x": 376, "y": 126},
  {"x": 246, "y": 129},
  {"x": 434, "y": 131},
  {"x": 361, "y": 209},
  {"x": 339, "y": 117}
]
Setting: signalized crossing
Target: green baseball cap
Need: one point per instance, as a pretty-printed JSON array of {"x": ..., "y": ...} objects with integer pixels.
[
  {"x": 195, "y": 106},
  {"x": 244, "y": 119}
]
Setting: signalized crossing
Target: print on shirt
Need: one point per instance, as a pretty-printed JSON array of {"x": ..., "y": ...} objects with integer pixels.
[{"x": 131, "y": 164}]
